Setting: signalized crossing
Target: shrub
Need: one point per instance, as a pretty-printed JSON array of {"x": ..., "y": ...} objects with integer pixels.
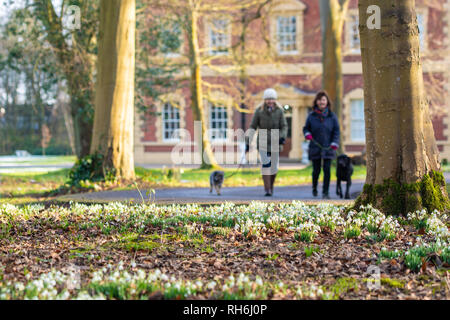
[{"x": 90, "y": 168}]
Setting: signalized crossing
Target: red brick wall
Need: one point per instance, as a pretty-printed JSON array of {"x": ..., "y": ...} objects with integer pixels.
[{"x": 312, "y": 49}]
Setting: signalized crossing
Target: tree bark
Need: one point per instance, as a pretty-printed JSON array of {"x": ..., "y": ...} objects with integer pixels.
[
  {"x": 403, "y": 172},
  {"x": 332, "y": 15},
  {"x": 114, "y": 103},
  {"x": 196, "y": 86}
]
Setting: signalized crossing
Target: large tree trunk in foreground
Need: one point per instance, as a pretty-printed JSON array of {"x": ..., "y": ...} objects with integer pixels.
[
  {"x": 332, "y": 16},
  {"x": 403, "y": 172},
  {"x": 207, "y": 155},
  {"x": 114, "y": 103}
]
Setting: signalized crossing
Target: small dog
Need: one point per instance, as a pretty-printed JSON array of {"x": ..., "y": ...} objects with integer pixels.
[
  {"x": 216, "y": 180},
  {"x": 344, "y": 172}
]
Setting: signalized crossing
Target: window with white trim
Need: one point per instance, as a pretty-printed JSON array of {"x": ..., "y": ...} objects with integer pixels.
[
  {"x": 354, "y": 44},
  {"x": 171, "y": 123},
  {"x": 218, "y": 36},
  {"x": 357, "y": 124},
  {"x": 218, "y": 121},
  {"x": 287, "y": 34}
]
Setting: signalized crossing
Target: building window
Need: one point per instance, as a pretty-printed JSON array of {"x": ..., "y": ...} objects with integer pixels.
[
  {"x": 287, "y": 35},
  {"x": 357, "y": 124},
  {"x": 171, "y": 123},
  {"x": 218, "y": 120},
  {"x": 354, "y": 44},
  {"x": 218, "y": 35},
  {"x": 353, "y": 39},
  {"x": 422, "y": 29}
]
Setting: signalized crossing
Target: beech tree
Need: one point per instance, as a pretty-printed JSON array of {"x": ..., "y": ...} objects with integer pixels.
[
  {"x": 332, "y": 17},
  {"x": 403, "y": 171},
  {"x": 114, "y": 100}
]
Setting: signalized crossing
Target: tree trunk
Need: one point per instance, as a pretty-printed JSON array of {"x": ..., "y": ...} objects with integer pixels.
[
  {"x": 114, "y": 103},
  {"x": 207, "y": 155},
  {"x": 403, "y": 172},
  {"x": 332, "y": 15}
]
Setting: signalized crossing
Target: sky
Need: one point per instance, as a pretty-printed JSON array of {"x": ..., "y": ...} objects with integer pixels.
[
  {"x": 4, "y": 8},
  {"x": 15, "y": 4}
]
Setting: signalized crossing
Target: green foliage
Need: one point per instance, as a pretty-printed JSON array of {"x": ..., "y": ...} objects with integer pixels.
[
  {"x": 28, "y": 64},
  {"x": 341, "y": 286},
  {"x": 394, "y": 283},
  {"x": 135, "y": 242},
  {"x": 272, "y": 257},
  {"x": 445, "y": 255},
  {"x": 90, "y": 169},
  {"x": 310, "y": 250},
  {"x": 413, "y": 262},
  {"x": 53, "y": 149},
  {"x": 305, "y": 236},
  {"x": 387, "y": 254},
  {"x": 352, "y": 232}
]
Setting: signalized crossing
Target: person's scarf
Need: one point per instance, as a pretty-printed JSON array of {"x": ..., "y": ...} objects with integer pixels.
[
  {"x": 321, "y": 114},
  {"x": 269, "y": 109}
]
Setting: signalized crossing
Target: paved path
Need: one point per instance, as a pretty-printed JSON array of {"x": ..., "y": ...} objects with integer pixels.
[
  {"x": 241, "y": 195},
  {"x": 202, "y": 195}
]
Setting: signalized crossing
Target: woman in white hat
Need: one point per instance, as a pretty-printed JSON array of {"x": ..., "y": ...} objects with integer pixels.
[{"x": 272, "y": 128}]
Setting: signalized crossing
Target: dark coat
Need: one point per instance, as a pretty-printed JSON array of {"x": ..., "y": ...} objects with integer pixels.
[
  {"x": 269, "y": 120},
  {"x": 325, "y": 130}
]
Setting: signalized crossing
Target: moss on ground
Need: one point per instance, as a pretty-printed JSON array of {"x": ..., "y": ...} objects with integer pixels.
[
  {"x": 342, "y": 286},
  {"x": 394, "y": 283}
]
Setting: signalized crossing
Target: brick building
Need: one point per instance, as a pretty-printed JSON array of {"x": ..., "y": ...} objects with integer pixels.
[{"x": 293, "y": 28}]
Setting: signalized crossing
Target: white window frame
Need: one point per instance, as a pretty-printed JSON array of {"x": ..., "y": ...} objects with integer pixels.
[
  {"x": 360, "y": 119},
  {"x": 224, "y": 121},
  {"x": 287, "y": 34},
  {"x": 173, "y": 120},
  {"x": 286, "y": 9},
  {"x": 223, "y": 34}
]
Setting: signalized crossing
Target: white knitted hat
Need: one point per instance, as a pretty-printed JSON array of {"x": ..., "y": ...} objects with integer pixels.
[{"x": 270, "y": 94}]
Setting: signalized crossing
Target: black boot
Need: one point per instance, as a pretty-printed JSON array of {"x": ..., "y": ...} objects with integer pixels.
[{"x": 267, "y": 185}]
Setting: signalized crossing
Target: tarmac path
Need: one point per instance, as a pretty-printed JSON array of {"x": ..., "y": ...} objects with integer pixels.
[{"x": 239, "y": 195}]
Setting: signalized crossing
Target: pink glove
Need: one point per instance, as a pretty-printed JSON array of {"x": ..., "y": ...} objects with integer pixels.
[
  {"x": 309, "y": 137},
  {"x": 334, "y": 147}
]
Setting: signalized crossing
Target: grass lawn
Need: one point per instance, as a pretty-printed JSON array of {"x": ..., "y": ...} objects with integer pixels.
[
  {"x": 256, "y": 251},
  {"x": 30, "y": 187}
]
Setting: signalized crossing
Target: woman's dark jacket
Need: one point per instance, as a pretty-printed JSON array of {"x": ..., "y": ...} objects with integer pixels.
[{"x": 324, "y": 127}]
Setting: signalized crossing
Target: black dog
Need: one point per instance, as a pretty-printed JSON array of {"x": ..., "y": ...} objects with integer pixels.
[
  {"x": 344, "y": 172},
  {"x": 216, "y": 180}
]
